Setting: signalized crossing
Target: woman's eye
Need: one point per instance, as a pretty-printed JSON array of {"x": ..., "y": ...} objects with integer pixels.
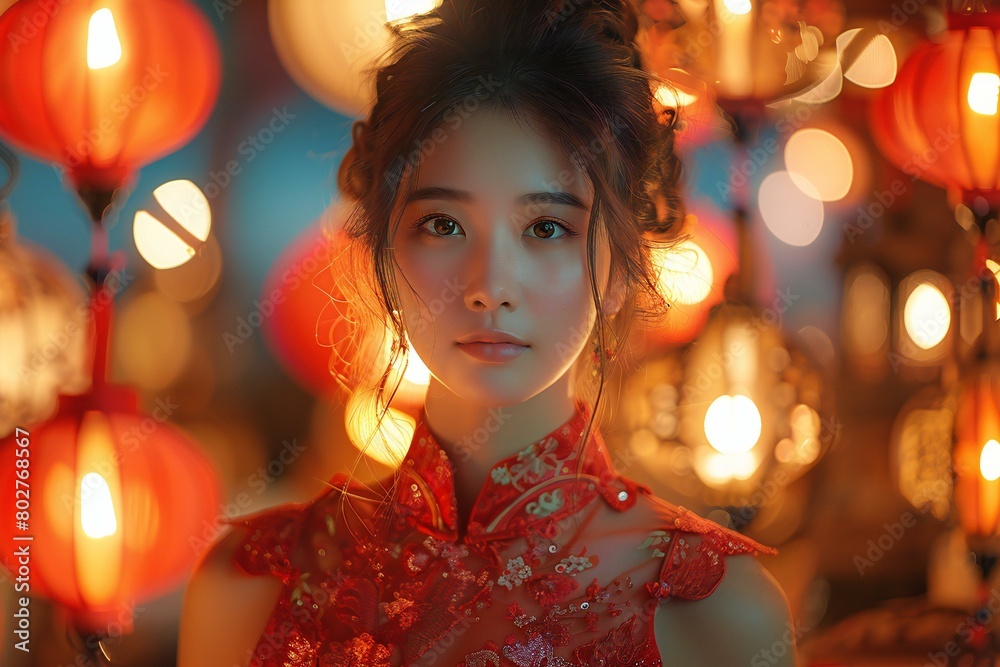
[
  {"x": 439, "y": 226},
  {"x": 550, "y": 229}
]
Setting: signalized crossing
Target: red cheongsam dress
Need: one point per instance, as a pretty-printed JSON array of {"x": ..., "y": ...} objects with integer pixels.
[{"x": 554, "y": 569}]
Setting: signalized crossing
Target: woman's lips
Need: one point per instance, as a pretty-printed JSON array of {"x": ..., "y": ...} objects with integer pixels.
[{"x": 492, "y": 352}]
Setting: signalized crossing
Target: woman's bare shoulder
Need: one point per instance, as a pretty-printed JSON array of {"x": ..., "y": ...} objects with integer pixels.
[
  {"x": 746, "y": 621},
  {"x": 225, "y": 610}
]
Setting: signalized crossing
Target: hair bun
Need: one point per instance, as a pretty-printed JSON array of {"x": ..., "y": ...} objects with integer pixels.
[{"x": 354, "y": 177}]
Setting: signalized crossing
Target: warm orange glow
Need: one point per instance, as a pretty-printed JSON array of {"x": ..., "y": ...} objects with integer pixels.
[
  {"x": 735, "y": 44},
  {"x": 104, "y": 49},
  {"x": 416, "y": 370},
  {"x": 387, "y": 442},
  {"x": 151, "y": 77},
  {"x": 976, "y": 454},
  {"x": 719, "y": 469},
  {"x": 989, "y": 461},
  {"x": 943, "y": 106},
  {"x": 97, "y": 537},
  {"x": 685, "y": 274},
  {"x": 984, "y": 90},
  {"x": 995, "y": 269}
]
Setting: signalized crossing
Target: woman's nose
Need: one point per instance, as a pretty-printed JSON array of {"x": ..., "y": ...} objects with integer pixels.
[{"x": 492, "y": 273}]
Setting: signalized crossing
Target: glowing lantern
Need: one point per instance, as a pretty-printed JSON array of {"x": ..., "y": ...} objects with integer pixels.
[
  {"x": 118, "y": 499},
  {"x": 308, "y": 317},
  {"x": 326, "y": 46},
  {"x": 739, "y": 409},
  {"x": 104, "y": 87},
  {"x": 748, "y": 50},
  {"x": 43, "y": 316},
  {"x": 977, "y": 452},
  {"x": 311, "y": 330},
  {"x": 921, "y": 442},
  {"x": 924, "y": 332},
  {"x": 939, "y": 120}
]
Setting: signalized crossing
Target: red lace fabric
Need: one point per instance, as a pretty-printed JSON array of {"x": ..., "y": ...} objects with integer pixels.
[{"x": 563, "y": 563}]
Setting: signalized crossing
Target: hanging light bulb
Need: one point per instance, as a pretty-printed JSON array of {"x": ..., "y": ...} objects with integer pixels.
[
  {"x": 984, "y": 90},
  {"x": 104, "y": 49}
]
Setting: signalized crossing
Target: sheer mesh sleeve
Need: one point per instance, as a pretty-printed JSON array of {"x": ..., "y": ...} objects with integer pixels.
[
  {"x": 694, "y": 552},
  {"x": 270, "y": 540}
]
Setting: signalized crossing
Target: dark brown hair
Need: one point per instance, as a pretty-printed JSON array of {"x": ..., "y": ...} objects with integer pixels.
[{"x": 572, "y": 67}]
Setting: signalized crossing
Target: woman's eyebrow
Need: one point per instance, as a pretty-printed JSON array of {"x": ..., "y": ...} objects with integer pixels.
[
  {"x": 462, "y": 196},
  {"x": 564, "y": 198},
  {"x": 445, "y": 194}
]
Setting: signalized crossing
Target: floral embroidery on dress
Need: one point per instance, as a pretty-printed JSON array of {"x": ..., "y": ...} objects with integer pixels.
[
  {"x": 501, "y": 475},
  {"x": 572, "y": 564},
  {"x": 534, "y": 463},
  {"x": 515, "y": 574}
]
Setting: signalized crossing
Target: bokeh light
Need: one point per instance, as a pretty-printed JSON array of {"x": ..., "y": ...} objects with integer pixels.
[
  {"x": 791, "y": 211},
  {"x": 818, "y": 162},
  {"x": 387, "y": 442},
  {"x": 172, "y": 237},
  {"x": 733, "y": 424},
  {"x": 989, "y": 460},
  {"x": 686, "y": 273},
  {"x": 153, "y": 340},
  {"x": 926, "y": 315},
  {"x": 400, "y": 10}
]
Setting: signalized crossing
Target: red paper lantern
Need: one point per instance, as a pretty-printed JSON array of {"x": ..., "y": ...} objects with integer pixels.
[
  {"x": 939, "y": 120},
  {"x": 309, "y": 310},
  {"x": 104, "y": 87},
  {"x": 977, "y": 452},
  {"x": 312, "y": 328},
  {"x": 103, "y": 506}
]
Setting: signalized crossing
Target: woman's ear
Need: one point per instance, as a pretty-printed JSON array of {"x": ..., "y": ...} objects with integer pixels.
[{"x": 614, "y": 298}]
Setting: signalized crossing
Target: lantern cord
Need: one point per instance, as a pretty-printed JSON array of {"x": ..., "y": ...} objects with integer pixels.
[
  {"x": 90, "y": 646},
  {"x": 13, "y": 171}
]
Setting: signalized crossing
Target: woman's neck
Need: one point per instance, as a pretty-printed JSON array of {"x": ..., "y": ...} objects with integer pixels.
[{"x": 477, "y": 437}]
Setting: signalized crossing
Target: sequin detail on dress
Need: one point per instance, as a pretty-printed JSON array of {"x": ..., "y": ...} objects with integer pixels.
[{"x": 555, "y": 567}]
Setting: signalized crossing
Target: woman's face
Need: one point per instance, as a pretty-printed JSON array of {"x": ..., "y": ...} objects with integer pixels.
[{"x": 495, "y": 238}]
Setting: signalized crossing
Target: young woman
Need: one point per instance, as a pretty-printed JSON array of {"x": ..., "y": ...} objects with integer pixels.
[{"x": 508, "y": 184}]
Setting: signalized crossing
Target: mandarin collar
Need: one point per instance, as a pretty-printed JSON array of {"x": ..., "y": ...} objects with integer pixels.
[{"x": 532, "y": 489}]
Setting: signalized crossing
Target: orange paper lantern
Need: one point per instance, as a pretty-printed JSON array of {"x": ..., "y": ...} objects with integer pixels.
[
  {"x": 977, "y": 452},
  {"x": 104, "y": 87},
  {"x": 312, "y": 327},
  {"x": 309, "y": 309},
  {"x": 103, "y": 506},
  {"x": 939, "y": 120}
]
